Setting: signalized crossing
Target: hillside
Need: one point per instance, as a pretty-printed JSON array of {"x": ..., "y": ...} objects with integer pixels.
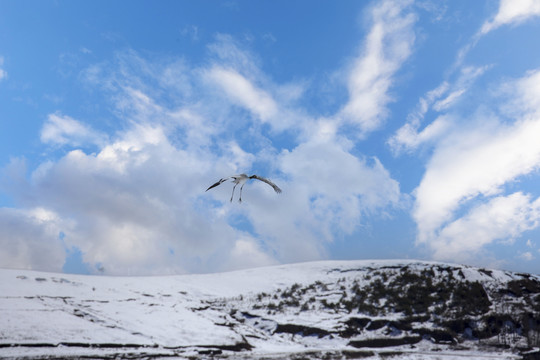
[{"x": 351, "y": 309}]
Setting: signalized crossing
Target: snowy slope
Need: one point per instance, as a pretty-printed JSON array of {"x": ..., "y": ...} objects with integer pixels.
[{"x": 321, "y": 307}]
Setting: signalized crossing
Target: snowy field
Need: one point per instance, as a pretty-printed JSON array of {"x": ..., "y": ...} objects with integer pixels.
[{"x": 45, "y": 315}]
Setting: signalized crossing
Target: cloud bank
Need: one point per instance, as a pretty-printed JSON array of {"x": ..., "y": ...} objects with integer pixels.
[
  {"x": 478, "y": 161},
  {"x": 131, "y": 199}
]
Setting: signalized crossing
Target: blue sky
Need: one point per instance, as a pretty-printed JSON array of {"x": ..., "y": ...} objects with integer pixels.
[{"x": 396, "y": 129}]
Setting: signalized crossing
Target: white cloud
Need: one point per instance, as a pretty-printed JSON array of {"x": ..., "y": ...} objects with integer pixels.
[
  {"x": 247, "y": 254},
  {"x": 30, "y": 239},
  {"x": 235, "y": 81},
  {"x": 512, "y": 12},
  {"x": 475, "y": 162},
  {"x": 409, "y": 137},
  {"x": 337, "y": 187},
  {"x": 501, "y": 218},
  {"x": 527, "y": 256},
  {"x": 64, "y": 130},
  {"x": 525, "y": 96},
  {"x": 229, "y": 53},
  {"x": 449, "y": 100},
  {"x": 388, "y": 45},
  {"x": 190, "y": 31},
  {"x": 242, "y": 92},
  {"x": 3, "y": 73},
  {"x": 427, "y": 101},
  {"x": 463, "y": 167}
]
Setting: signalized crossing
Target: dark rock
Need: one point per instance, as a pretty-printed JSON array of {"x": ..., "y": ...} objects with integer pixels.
[
  {"x": 436, "y": 336},
  {"x": 385, "y": 342},
  {"x": 301, "y": 330},
  {"x": 354, "y": 326}
]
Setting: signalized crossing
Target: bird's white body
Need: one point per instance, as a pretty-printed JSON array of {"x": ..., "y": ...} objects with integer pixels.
[{"x": 242, "y": 179}]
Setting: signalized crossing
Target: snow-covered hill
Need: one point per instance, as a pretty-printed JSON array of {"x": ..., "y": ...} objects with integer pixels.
[{"x": 333, "y": 309}]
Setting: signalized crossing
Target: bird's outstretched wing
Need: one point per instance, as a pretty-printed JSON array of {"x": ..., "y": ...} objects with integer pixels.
[
  {"x": 218, "y": 183},
  {"x": 276, "y": 188}
]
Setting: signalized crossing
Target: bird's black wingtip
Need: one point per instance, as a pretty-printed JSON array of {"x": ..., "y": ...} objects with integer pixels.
[{"x": 214, "y": 185}]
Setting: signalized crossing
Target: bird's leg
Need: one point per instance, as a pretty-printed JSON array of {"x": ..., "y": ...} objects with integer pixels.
[
  {"x": 233, "y": 191},
  {"x": 241, "y": 187}
]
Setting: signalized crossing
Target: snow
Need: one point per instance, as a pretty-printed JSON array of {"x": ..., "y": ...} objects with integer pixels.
[{"x": 76, "y": 315}]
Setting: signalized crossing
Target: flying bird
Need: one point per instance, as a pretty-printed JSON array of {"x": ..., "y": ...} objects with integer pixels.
[{"x": 242, "y": 179}]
